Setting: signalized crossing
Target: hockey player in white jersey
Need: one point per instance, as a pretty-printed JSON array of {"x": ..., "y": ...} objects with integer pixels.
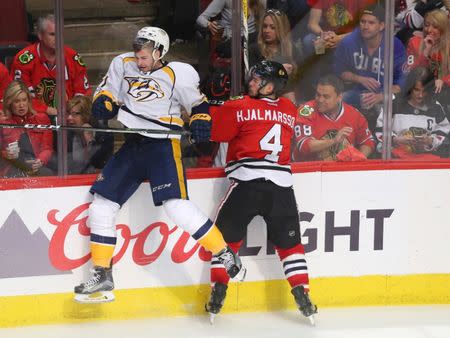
[{"x": 146, "y": 92}]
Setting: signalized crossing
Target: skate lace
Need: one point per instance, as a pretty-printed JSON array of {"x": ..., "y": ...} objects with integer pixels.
[
  {"x": 227, "y": 260},
  {"x": 95, "y": 278}
]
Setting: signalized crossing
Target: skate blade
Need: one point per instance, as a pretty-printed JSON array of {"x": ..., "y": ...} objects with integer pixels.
[
  {"x": 95, "y": 298},
  {"x": 241, "y": 275},
  {"x": 312, "y": 320},
  {"x": 212, "y": 316}
]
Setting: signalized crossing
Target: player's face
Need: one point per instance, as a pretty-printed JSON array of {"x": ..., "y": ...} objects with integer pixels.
[
  {"x": 254, "y": 86},
  {"x": 370, "y": 26},
  {"x": 47, "y": 38},
  {"x": 327, "y": 99},
  {"x": 20, "y": 105},
  {"x": 269, "y": 33},
  {"x": 145, "y": 60},
  {"x": 418, "y": 94}
]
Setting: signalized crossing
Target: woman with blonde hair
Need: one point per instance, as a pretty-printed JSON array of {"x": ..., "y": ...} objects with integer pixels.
[
  {"x": 274, "y": 43},
  {"x": 26, "y": 151},
  {"x": 431, "y": 49}
]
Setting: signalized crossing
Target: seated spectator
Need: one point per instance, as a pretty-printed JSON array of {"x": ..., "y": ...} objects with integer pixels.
[
  {"x": 87, "y": 151},
  {"x": 26, "y": 151},
  {"x": 5, "y": 79},
  {"x": 297, "y": 11},
  {"x": 431, "y": 50},
  {"x": 409, "y": 15},
  {"x": 419, "y": 124},
  {"x": 36, "y": 66},
  {"x": 327, "y": 129},
  {"x": 359, "y": 60},
  {"x": 275, "y": 44},
  {"x": 330, "y": 21}
]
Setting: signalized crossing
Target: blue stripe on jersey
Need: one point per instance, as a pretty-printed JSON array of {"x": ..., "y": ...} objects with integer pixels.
[
  {"x": 103, "y": 239},
  {"x": 203, "y": 230}
]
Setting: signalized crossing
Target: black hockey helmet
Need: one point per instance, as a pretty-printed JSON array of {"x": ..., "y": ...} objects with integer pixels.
[{"x": 270, "y": 71}]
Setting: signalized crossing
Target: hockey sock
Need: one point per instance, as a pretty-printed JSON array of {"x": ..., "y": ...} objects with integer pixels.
[
  {"x": 294, "y": 265},
  {"x": 218, "y": 272},
  {"x": 213, "y": 240},
  {"x": 102, "y": 250},
  {"x": 102, "y": 214}
]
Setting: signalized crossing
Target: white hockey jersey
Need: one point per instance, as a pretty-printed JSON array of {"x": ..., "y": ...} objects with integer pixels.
[{"x": 151, "y": 100}]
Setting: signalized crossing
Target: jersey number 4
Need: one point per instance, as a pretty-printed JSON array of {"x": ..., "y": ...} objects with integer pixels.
[{"x": 272, "y": 142}]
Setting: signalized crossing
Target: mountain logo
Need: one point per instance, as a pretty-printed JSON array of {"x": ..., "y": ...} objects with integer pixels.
[{"x": 23, "y": 254}]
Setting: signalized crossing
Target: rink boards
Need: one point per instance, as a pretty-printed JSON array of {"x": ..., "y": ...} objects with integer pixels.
[{"x": 374, "y": 235}]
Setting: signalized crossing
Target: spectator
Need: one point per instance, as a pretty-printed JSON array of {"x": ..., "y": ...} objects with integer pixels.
[
  {"x": 222, "y": 28},
  {"x": 296, "y": 10},
  {"x": 419, "y": 124},
  {"x": 330, "y": 21},
  {"x": 85, "y": 151},
  {"x": 409, "y": 15},
  {"x": 27, "y": 151},
  {"x": 359, "y": 61},
  {"x": 36, "y": 66},
  {"x": 431, "y": 50},
  {"x": 5, "y": 79},
  {"x": 275, "y": 44},
  {"x": 327, "y": 129}
]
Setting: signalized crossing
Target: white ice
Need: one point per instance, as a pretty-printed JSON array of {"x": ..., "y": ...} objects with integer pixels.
[{"x": 362, "y": 322}]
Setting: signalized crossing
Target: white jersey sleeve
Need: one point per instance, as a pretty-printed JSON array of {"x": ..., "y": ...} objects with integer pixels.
[
  {"x": 111, "y": 84},
  {"x": 186, "y": 89}
]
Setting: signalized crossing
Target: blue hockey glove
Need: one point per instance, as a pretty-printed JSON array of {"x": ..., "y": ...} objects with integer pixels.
[
  {"x": 200, "y": 126},
  {"x": 103, "y": 107}
]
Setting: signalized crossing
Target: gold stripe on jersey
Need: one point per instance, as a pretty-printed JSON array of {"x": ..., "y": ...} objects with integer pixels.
[
  {"x": 129, "y": 59},
  {"x": 176, "y": 151},
  {"x": 169, "y": 71},
  {"x": 106, "y": 93},
  {"x": 172, "y": 120}
]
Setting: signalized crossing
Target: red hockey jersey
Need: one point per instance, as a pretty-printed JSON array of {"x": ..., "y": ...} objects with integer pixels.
[
  {"x": 259, "y": 133},
  {"x": 311, "y": 124},
  {"x": 417, "y": 58},
  {"x": 31, "y": 67}
]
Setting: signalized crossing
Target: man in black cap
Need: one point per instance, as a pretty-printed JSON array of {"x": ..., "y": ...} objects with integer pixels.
[{"x": 359, "y": 59}]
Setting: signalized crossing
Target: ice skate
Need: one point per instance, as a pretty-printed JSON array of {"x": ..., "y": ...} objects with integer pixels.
[
  {"x": 232, "y": 264},
  {"x": 306, "y": 307},
  {"x": 98, "y": 288},
  {"x": 218, "y": 293}
]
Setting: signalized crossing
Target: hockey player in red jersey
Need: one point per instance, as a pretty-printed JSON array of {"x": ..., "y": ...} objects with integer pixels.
[
  {"x": 258, "y": 129},
  {"x": 328, "y": 129},
  {"x": 35, "y": 65}
]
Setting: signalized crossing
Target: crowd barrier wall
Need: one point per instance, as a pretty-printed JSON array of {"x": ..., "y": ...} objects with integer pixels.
[{"x": 375, "y": 234}]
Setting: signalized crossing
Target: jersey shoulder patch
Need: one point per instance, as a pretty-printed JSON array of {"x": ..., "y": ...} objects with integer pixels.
[
  {"x": 78, "y": 59},
  {"x": 26, "y": 57},
  {"x": 237, "y": 97},
  {"x": 306, "y": 111}
]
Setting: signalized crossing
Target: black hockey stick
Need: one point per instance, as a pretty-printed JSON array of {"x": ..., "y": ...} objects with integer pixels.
[{"x": 104, "y": 130}]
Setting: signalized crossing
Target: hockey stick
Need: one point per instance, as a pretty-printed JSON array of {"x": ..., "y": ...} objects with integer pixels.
[
  {"x": 106, "y": 130},
  {"x": 245, "y": 27}
]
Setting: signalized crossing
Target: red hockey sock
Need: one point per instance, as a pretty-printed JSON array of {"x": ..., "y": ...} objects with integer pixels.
[{"x": 294, "y": 265}]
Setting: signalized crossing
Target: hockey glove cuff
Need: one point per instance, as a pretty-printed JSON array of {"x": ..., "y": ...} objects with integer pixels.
[
  {"x": 103, "y": 107},
  {"x": 200, "y": 126}
]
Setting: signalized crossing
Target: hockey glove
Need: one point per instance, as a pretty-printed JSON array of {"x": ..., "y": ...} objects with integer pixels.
[
  {"x": 200, "y": 126},
  {"x": 103, "y": 107}
]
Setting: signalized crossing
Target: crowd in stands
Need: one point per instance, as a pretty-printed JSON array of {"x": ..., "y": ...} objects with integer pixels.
[{"x": 333, "y": 52}]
